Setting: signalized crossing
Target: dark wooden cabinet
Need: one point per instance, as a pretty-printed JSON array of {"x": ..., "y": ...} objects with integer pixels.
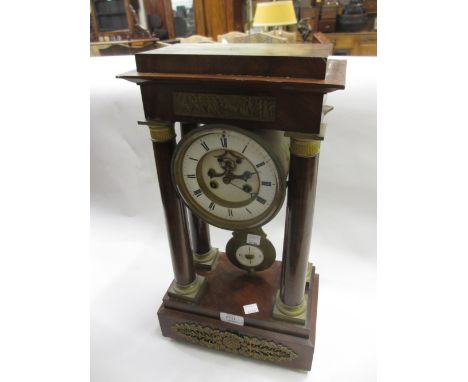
[
  {"x": 115, "y": 20},
  {"x": 328, "y": 14},
  {"x": 216, "y": 17},
  {"x": 327, "y": 26},
  {"x": 312, "y": 14}
]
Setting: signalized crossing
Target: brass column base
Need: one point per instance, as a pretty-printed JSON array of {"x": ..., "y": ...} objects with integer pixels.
[
  {"x": 191, "y": 292},
  {"x": 296, "y": 314},
  {"x": 206, "y": 261}
]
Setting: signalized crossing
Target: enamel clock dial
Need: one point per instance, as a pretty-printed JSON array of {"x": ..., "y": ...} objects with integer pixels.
[
  {"x": 249, "y": 256},
  {"x": 228, "y": 176}
]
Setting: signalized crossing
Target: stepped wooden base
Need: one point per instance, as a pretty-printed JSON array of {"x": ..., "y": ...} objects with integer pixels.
[{"x": 261, "y": 337}]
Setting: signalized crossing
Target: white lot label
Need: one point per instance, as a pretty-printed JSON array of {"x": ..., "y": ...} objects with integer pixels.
[
  {"x": 251, "y": 308},
  {"x": 231, "y": 318},
  {"x": 253, "y": 239}
]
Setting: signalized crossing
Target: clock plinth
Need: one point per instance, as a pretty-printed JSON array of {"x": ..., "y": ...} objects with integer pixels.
[
  {"x": 237, "y": 105},
  {"x": 261, "y": 336}
]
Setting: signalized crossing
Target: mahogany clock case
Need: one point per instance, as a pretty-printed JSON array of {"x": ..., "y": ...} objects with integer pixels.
[
  {"x": 129, "y": 253},
  {"x": 256, "y": 86}
]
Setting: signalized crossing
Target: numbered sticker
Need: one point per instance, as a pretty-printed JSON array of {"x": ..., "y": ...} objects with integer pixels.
[
  {"x": 231, "y": 318},
  {"x": 253, "y": 239},
  {"x": 251, "y": 308}
]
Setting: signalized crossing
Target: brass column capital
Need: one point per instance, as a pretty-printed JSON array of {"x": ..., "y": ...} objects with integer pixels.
[
  {"x": 306, "y": 148},
  {"x": 161, "y": 131}
]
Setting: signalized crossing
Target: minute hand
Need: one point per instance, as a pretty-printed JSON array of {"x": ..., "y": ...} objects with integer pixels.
[{"x": 240, "y": 188}]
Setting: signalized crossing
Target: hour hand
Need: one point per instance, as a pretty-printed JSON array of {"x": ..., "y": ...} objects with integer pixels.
[{"x": 245, "y": 176}]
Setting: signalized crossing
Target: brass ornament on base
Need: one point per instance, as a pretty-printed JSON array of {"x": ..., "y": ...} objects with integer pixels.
[{"x": 224, "y": 340}]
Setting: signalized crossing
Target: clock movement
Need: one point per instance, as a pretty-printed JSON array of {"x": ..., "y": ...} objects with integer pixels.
[{"x": 251, "y": 121}]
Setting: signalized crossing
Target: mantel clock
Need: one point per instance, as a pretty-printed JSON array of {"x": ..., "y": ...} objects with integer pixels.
[{"x": 251, "y": 118}]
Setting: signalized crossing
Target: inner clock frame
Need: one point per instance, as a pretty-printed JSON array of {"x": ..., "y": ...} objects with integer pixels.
[{"x": 188, "y": 199}]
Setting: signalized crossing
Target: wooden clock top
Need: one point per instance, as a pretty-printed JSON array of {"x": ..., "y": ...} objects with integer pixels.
[
  {"x": 282, "y": 50},
  {"x": 270, "y": 60},
  {"x": 265, "y": 86}
]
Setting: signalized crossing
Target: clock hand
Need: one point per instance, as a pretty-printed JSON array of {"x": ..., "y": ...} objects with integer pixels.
[
  {"x": 252, "y": 194},
  {"x": 213, "y": 174},
  {"x": 245, "y": 176}
]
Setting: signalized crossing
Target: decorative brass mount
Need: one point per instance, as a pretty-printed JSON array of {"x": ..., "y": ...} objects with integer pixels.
[
  {"x": 206, "y": 261},
  {"x": 160, "y": 131},
  {"x": 247, "y": 346},
  {"x": 191, "y": 292},
  {"x": 296, "y": 314}
]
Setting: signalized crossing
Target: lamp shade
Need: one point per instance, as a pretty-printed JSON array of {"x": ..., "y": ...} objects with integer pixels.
[{"x": 274, "y": 13}]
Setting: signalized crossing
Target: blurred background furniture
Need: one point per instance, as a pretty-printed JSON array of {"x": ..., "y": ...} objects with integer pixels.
[
  {"x": 353, "y": 18},
  {"x": 230, "y": 36},
  {"x": 132, "y": 22},
  {"x": 354, "y": 44},
  {"x": 275, "y": 14},
  {"x": 196, "y": 39},
  {"x": 116, "y": 20},
  {"x": 122, "y": 47},
  {"x": 328, "y": 13}
]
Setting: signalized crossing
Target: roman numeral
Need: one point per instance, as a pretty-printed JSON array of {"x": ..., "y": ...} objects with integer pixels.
[
  {"x": 191, "y": 176},
  {"x": 266, "y": 183},
  {"x": 260, "y": 164},
  {"x": 230, "y": 212},
  {"x": 223, "y": 141},
  {"x": 212, "y": 206},
  {"x": 261, "y": 200},
  {"x": 250, "y": 212},
  {"x": 196, "y": 160},
  {"x": 197, "y": 193},
  {"x": 245, "y": 148},
  {"x": 205, "y": 146}
]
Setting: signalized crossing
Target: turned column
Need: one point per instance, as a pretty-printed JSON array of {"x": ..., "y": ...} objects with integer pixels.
[
  {"x": 291, "y": 303},
  {"x": 186, "y": 284},
  {"x": 204, "y": 255}
]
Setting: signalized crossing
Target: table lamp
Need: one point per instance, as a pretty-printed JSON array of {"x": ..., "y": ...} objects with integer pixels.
[{"x": 274, "y": 13}]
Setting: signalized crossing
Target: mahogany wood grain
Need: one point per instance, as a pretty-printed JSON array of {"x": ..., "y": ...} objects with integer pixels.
[
  {"x": 230, "y": 288},
  {"x": 295, "y": 110},
  {"x": 174, "y": 211},
  {"x": 172, "y": 312},
  {"x": 297, "y": 234},
  {"x": 282, "y": 60},
  {"x": 335, "y": 79}
]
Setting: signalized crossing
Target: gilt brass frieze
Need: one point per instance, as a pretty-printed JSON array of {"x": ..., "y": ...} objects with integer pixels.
[
  {"x": 229, "y": 106},
  {"x": 247, "y": 346}
]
